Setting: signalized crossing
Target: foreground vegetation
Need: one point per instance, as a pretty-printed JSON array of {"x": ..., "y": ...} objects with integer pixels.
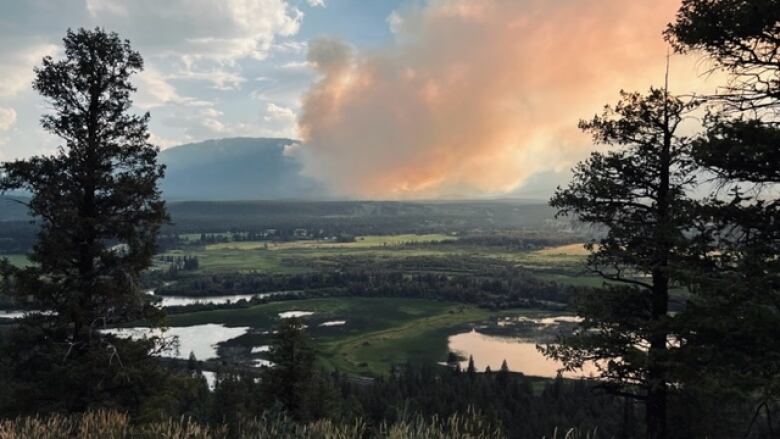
[{"x": 116, "y": 425}]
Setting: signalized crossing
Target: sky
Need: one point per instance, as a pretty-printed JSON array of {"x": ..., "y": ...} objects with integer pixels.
[{"x": 391, "y": 99}]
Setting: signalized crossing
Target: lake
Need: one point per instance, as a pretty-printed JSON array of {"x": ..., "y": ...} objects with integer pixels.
[
  {"x": 520, "y": 353},
  {"x": 202, "y": 340}
]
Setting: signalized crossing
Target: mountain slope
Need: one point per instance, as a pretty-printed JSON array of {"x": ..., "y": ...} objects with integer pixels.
[{"x": 235, "y": 169}]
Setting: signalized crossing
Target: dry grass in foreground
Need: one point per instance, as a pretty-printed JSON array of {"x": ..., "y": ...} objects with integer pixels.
[{"x": 115, "y": 425}]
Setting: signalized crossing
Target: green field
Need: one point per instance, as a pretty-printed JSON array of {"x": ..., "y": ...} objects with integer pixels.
[
  {"x": 563, "y": 264},
  {"x": 361, "y": 242},
  {"x": 378, "y": 333}
]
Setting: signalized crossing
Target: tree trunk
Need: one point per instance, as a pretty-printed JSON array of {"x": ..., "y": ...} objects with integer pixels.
[
  {"x": 656, "y": 368},
  {"x": 88, "y": 219}
]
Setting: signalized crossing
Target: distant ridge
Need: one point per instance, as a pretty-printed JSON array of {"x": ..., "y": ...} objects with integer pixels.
[{"x": 235, "y": 169}]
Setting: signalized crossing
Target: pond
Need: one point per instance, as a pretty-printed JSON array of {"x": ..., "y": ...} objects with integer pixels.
[
  {"x": 290, "y": 314},
  {"x": 202, "y": 340},
  {"x": 168, "y": 301},
  {"x": 520, "y": 352}
]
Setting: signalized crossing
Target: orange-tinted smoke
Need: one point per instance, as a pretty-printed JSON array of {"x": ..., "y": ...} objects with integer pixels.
[{"x": 473, "y": 97}]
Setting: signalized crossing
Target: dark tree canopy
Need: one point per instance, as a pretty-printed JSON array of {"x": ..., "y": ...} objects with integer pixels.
[
  {"x": 742, "y": 36},
  {"x": 731, "y": 321},
  {"x": 293, "y": 358},
  {"x": 95, "y": 200},
  {"x": 639, "y": 192}
]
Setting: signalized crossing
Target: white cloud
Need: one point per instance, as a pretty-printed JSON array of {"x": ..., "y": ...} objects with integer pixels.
[
  {"x": 7, "y": 118},
  {"x": 197, "y": 53},
  {"x": 316, "y": 3},
  {"x": 296, "y": 65},
  {"x": 290, "y": 47},
  {"x": 281, "y": 121},
  {"x": 163, "y": 142},
  {"x": 201, "y": 40},
  {"x": 96, "y": 7},
  {"x": 220, "y": 79},
  {"x": 209, "y": 122},
  {"x": 16, "y": 69},
  {"x": 154, "y": 91},
  {"x": 394, "y": 22},
  {"x": 278, "y": 113},
  {"x": 216, "y": 30}
]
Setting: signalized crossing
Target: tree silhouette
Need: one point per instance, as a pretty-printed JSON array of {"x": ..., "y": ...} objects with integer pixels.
[
  {"x": 731, "y": 328},
  {"x": 637, "y": 191},
  {"x": 96, "y": 202}
]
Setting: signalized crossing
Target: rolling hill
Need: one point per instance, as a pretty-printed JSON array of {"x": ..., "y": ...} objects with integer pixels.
[{"x": 235, "y": 169}]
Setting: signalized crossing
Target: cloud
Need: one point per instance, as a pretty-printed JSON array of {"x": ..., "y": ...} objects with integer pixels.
[
  {"x": 223, "y": 30},
  {"x": 16, "y": 68},
  {"x": 7, "y": 121},
  {"x": 476, "y": 97},
  {"x": 316, "y": 3},
  {"x": 221, "y": 79},
  {"x": 200, "y": 39},
  {"x": 154, "y": 90},
  {"x": 162, "y": 142},
  {"x": 7, "y": 118},
  {"x": 296, "y": 65},
  {"x": 275, "y": 113},
  {"x": 394, "y": 22},
  {"x": 282, "y": 121},
  {"x": 295, "y": 47}
]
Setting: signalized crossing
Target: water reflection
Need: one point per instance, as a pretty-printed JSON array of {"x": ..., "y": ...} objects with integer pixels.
[
  {"x": 289, "y": 314},
  {"x": 167, "y": 301},
  {"x": 202, "y": 340},
  {"x": 11, "y": 314},
  {"x": 211, "y": 379},
  {"x": 521, "y": 355},
  {"x": 18, "y": 314}
]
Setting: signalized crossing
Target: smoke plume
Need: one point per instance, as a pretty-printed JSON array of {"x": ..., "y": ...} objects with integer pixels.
[{"x": 474, "y": 97}]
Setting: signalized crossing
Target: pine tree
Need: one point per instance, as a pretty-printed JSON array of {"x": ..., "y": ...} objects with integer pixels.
[
  {"x": 471, "y": 369},
  {"x": 638, "y": 192},
  {"x": 98, "y": 207},
  {"x": 293, "y": 366},
  {"x": 731, "y": 321},
  {"x": 503, "y": 373}
]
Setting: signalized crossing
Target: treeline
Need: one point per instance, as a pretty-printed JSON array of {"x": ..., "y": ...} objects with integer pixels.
[
  {"x": 506, "y": 402},
  {"x": 507, "y": 289},
  {"x": 179, "y": 263},
  {"x": 510, "y": 239},
  {"x": 354, "y": 217}
]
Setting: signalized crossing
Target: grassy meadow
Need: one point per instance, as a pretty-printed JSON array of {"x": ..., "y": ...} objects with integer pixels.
[
  {"x": 564, "y": 264},
  {"x": 378, "y": 332}
]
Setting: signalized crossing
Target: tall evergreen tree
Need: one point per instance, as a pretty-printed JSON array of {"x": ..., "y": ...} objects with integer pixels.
[
  {"x": 732, "y": 324},
  {"x": 293, "y": 366},
  {"x": 98, "y": 207},
  {"x": 638, "y": 192}
]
